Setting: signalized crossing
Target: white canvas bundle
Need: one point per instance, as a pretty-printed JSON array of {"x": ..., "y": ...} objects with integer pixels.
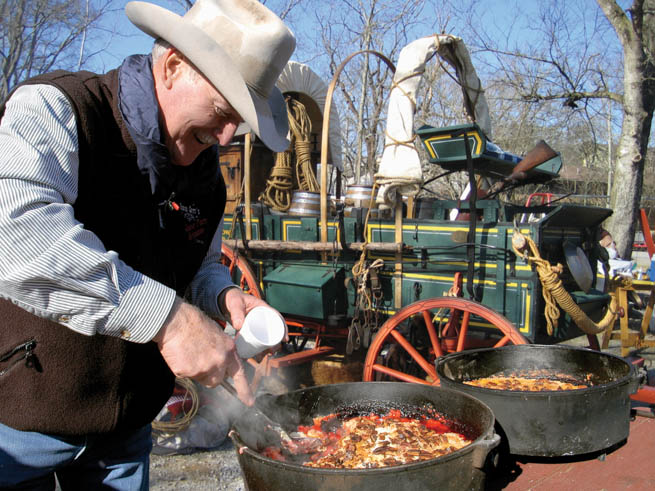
[{"x": 400, "y": 167}]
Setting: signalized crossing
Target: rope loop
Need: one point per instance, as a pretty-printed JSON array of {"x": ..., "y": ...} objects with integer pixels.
[
  {"x": 555, "y": 293},
  {"x": 178, "y": 424}
]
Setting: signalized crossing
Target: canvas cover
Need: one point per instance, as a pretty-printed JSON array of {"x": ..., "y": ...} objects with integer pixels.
[{"x": 400, "y": 167}]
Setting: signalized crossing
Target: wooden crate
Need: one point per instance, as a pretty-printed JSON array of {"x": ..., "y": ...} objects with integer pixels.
[{"x": 231, "y": 161}]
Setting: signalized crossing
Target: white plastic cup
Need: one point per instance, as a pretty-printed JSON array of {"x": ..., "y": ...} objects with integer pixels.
[{"x": 262, "y": 329}]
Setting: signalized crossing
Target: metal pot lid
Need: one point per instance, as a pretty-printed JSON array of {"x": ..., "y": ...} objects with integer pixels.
[{"x": 578, "y": 266}]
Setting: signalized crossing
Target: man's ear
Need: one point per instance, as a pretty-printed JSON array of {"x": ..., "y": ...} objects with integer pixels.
[{"x": 172, "y": 67}]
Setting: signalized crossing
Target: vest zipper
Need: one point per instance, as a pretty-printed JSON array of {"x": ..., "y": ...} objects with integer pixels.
[{"x": 28, "y": 355}]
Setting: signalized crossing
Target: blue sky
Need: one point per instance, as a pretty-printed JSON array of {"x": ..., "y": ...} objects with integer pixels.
[{"x": 128, "y": 40}]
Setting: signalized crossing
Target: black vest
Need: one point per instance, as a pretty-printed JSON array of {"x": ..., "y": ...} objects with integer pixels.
[{"x": 62, "y": 382}]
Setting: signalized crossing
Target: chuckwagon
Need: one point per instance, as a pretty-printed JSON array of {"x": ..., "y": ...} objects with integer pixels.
[{"x": 407, "y": 282}]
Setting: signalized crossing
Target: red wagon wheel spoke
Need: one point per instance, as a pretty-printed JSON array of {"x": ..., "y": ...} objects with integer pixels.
[
  {"x": 398, "y": 375},
  {"x": 463, "y": 330},
  {"x": 408, "y": 343},
  {"x": 418, "y": 358},
  {"x": 432, "y": 332},
  {"x": 244, "y": 276},
  {"x": 503, "y": 342}
]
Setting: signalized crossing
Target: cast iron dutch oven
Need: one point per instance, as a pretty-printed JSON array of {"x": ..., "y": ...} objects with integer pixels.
[
  {"x": 462, "y": 469},
  {"x": 552, "y": 423}
]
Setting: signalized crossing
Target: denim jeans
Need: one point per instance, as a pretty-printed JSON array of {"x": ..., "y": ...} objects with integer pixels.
[{"x": 31, "y": 460}]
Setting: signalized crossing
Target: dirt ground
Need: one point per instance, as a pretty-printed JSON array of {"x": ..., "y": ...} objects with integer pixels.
[{"x": 217, "y": 469}]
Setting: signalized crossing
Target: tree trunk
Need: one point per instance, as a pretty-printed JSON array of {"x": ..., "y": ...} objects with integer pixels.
[{"x": 625, "y": 194}]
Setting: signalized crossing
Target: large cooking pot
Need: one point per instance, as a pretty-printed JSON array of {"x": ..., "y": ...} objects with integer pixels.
[
  {"x": 462, "y": 469},
  {"x": 552, "y": 423}
]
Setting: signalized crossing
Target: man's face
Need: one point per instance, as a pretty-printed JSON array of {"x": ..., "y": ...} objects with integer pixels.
[{"x": 196, "y": 116}]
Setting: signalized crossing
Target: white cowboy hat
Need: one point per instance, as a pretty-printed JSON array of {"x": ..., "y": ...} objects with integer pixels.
[{"x": 240, "y": 46}]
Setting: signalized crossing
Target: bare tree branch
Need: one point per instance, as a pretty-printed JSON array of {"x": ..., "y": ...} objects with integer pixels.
[{"x": 40, "y": 35}]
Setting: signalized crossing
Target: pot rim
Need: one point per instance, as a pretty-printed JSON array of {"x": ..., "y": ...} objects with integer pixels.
[
  {"x": 630, "y": 376},
  {"x": 487, "y": 438}
]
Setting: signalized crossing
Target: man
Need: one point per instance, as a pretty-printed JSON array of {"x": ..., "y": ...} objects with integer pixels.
[{"x": 111, "y": 202}]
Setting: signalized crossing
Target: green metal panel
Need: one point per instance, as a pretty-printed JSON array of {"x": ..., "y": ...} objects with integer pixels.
[
  {"x": 308, "y": 290},
  {"x": 308, "y": 229},
  {"x": 491, "y": 209},
  {"x": 300, "y": 228},
  {"x": 255, "y": 227},
  {"x": 444, "y": 147},
  {"x": 285, "y": 227}
]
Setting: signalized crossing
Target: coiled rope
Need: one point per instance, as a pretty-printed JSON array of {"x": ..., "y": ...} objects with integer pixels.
[
  {"x": 181, "y": 423},
  {"x": 554, "y": 292},
  {"x": 279, "y": 186},
  {"x": 277, "y": 193},
  {"x": 301, "y": 128}
]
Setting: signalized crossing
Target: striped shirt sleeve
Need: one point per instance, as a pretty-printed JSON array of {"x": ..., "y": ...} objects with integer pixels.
[{"x": 50, "y": 264}]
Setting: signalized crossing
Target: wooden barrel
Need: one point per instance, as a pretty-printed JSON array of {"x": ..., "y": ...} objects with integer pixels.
[
  {"x": 360, "y": 197},
  {"x": 305, "y": 203}
]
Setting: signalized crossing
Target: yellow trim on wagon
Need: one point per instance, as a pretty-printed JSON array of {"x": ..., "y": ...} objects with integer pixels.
[{"x": 428, "y": 143}]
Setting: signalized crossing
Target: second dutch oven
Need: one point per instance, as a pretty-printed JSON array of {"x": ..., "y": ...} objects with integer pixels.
[{"x": 550, "y": 423}]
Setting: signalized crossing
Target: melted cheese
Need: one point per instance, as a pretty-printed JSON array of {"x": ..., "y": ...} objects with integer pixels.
[
  {"x": 500, "y": 382},
  {"x": 363, "y": 442}
]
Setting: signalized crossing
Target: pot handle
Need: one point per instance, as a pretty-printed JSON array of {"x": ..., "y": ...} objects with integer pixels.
[
  {"x": 483, "y": 448},
  {"x": 638, "y": 378},
  {"x": 443, "y": 359}
]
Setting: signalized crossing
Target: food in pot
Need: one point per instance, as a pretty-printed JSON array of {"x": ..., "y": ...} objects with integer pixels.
[
  {"x": 369, "y": 441},
  {"x": 534, "y": 381}
]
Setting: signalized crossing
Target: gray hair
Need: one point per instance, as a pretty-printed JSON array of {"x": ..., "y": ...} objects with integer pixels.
[{"x": 159, "y": 48}]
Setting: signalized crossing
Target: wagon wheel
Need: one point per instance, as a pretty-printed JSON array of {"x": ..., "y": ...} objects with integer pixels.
[
  {"x": 408, "y": 343},
  {"x": 240, "y": 271}
]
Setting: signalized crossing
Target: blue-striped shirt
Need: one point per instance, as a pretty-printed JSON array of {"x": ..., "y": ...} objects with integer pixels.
[{"x": 50, "y": 264}]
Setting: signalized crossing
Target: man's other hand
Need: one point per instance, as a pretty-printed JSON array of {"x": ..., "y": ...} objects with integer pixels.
[
  {"x": 194, "y": 346},
  {"x": 238, "y": 304}
]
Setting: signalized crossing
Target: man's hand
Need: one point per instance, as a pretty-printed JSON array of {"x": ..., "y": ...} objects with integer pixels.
[
  {"x": 238, "y": 304},
  {"x": 194, "y": 346}
]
